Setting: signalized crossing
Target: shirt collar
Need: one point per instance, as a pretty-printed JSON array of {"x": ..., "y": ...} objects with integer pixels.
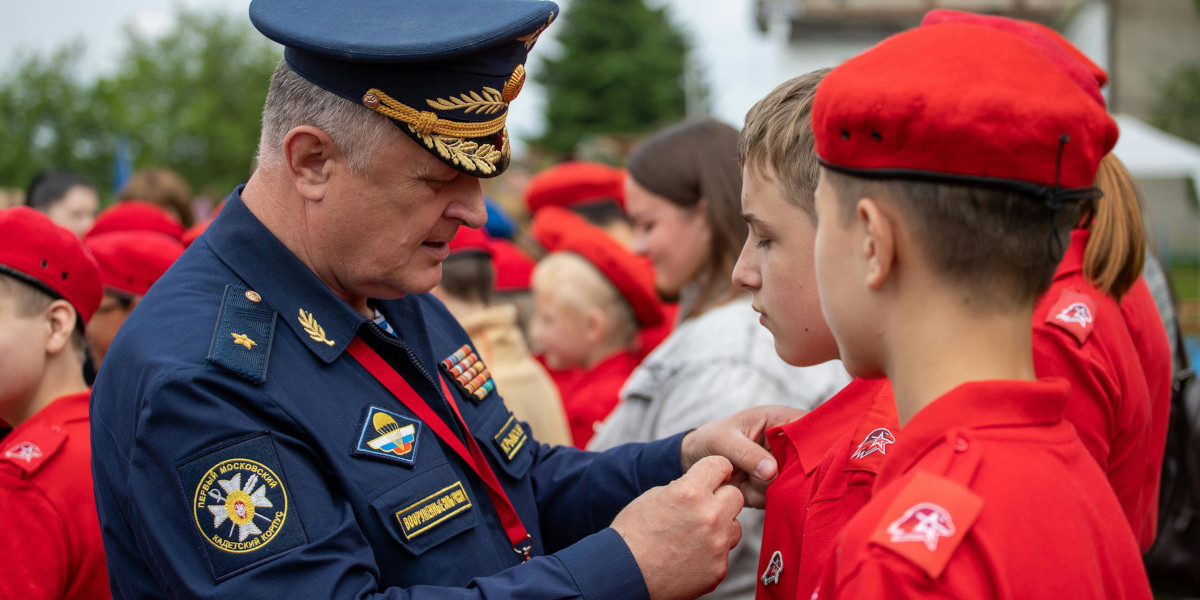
[
  {"x": 975, "y": 405},
  {"x": 1072, "y": 260},
  {"x": 812, "y": 435},
  {"x": 323, "y": 321}
]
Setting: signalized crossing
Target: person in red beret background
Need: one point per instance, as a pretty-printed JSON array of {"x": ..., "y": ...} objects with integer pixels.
[
  {"x": 130, "y": 262},
  {"x": 49, "y": 534},
  {"x": 594, "y": 191},
  {"x": 591, "y": 296},
  {"x": 137, "y": 215}
]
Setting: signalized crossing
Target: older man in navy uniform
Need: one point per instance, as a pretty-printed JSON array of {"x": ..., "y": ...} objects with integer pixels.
[{"x": 288, "y": 414}]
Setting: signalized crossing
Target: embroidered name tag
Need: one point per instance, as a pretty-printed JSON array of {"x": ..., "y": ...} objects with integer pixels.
[
  {"x": 511, "y": 438},
  {"x": 433, "y": 510},
  {"x": 389, "y": 435},
  {"x": 469, "y": 373}
]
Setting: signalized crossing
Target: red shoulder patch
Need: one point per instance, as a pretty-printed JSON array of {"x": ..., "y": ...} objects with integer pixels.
[
  {"x": 1074, "y": 313},
  {"x": 31, "y": 449},
  {"x": 927, "y": 521}
]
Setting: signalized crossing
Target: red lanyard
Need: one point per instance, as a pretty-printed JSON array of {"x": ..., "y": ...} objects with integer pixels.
[{"x": 522, "y": 543}]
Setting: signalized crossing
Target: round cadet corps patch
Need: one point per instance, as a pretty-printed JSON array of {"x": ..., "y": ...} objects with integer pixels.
[{"x": 240, "y": 505}]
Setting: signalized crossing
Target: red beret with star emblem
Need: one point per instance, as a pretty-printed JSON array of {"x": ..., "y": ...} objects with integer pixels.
[
  {"x": 961, "y": 103},
  {"x": 50, "y": 258}
]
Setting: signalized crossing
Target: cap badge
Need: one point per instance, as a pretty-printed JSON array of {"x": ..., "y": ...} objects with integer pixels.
[
  {"x": 925, "y": 522},
  {"x": 313, "y": 329},
  {"x": 469, "y": 373},
  {"x": 243, "y": 340},
  {"x": 774, "y": 568},
  {"x": 26, "y": 451},
  {"x": 515, "y": 82},
  {"x": 876, "y": 441}
]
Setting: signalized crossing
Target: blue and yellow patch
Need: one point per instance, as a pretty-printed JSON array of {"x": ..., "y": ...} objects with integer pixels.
[
  {"x": 433, "y": 510},
  {"x": 511, "y": 437},
  {"x": 388, "y": 435},
  {"x": 240, "y": 505}
]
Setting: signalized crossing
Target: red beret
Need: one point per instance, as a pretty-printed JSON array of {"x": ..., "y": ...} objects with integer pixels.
[
  {"x": 194, "y": 232},
  {"x": 1078, "y": 66},
  {"x": 470, "y": 240},
  {"x": 513, "y": 267},
  {"x": 632, "y": 275},
  {"x": 135, "y": 215},
  {"x": 552, "y": 223},
  {"x": 962, "y": 103},
  {"x": 131, "y": 261},
  {"x": 35, "y": 250},
  {"x": 575, "y": 183}
]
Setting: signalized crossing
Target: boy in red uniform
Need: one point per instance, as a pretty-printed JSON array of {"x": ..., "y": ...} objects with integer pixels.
[
  {"x": 827, "y": 459},
  {"x": 954, "y": 158},
  {"x": 50, "y": 535},
  {"x": 591, "y": 296}
]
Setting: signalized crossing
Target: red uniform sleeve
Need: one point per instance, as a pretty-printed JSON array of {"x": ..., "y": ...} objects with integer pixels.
[
  {"x": 1090, "y": 408},
  {"x": 33, "y": 542},
  {"x": 885, "y": 576}
]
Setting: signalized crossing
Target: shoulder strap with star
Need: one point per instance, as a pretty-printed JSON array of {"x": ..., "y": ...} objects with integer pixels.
[
  {"x": 928, "y": 521},
  {"x": 243, "y": 335},
  {"x": 1074, "y": 313}
]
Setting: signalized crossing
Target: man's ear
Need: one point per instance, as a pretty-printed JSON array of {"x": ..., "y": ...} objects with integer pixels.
[
  {"x": 60, "y": 324},
  {"x": 878, "y": 241},
  {"x": 310, "y": 156}
]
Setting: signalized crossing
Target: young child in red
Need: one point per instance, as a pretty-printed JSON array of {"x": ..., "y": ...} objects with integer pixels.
[
  {"x": 954, "y": 161},
  {"x": 50, "y": 534}
]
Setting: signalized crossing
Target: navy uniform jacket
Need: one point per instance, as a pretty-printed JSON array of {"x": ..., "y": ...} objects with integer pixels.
[{"x": 238, "y": 448}]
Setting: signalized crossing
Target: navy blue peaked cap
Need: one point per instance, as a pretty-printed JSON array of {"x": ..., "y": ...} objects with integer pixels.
[{"x": 444, "y": 72}]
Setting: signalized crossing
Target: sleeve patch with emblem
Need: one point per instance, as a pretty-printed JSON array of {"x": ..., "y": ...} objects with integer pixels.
[
  {"x": 240, "y": 505},
  {"x": 928, "y": 520},
  {"x": 1074, "y": 313}
]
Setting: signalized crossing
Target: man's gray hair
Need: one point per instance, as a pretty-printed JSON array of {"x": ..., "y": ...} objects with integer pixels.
[{"x": 292, "y": 101}]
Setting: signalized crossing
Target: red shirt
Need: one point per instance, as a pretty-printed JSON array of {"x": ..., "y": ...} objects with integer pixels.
[
  {"x": 593, "y": 394},
  {"x": 49, "y": 533},
  {"x": 1081, "y": 335},
  {"x": 1154, "y": 350},
  {"x": 989, "y": 493},
  {"x": 827, "y": 465}
]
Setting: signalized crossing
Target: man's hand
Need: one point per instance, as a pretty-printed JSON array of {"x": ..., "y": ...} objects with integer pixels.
[
  {"x": 681, "y": 534},
  {"x": 740, "y": 439}
]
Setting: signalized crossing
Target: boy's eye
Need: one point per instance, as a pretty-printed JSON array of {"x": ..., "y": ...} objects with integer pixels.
[{"x": 762, "y": 243}]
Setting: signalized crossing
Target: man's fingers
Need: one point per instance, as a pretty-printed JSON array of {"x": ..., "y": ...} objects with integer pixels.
[
  {"x": 748, "y": 456},
  {"x": 730, "y": 499},
  {"x": 709, "y": 472}
]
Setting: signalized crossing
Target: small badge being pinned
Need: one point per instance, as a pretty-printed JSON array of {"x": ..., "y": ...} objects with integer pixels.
[
  {"x": 876, "y": 441},
  {"x": 469, "y": 373},
  {"x": 386, "y": 434},
  {"x": 774, "y": 568}
]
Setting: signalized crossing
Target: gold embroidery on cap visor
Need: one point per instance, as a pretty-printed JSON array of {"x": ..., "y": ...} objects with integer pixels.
[{"x": 446, "y": 137}]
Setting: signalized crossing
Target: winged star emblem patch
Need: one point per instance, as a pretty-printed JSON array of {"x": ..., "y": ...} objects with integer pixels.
[
  {"x": 876, "y": 441},
  {"x": 926, "y": 522}
]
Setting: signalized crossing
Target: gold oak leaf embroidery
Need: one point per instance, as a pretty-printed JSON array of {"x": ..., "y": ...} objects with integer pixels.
[
  {"x": 314, "y": 331},
  {"x": 468, "y": 155},
  {"x": 489, "y": 103}
]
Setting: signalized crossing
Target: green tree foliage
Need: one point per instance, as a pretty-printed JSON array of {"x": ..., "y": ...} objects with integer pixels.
[
  {"x": 1178, "y": 109},
  {"x": 620, "y": 70},
  {"x": 189, "y": 100}
]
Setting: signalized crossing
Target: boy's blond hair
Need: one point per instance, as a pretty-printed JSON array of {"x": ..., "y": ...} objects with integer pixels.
[
  {"x": 777, "y": 139},
  {"x": 579, "y": 284}
]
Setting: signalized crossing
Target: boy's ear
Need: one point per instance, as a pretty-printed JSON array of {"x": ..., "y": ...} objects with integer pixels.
[
  {"x": 878, "y": 241},
  {"x": 595, "y": 325},
  {"x": 60, "y": 325},
  {"x": 310, "y": 155}
]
